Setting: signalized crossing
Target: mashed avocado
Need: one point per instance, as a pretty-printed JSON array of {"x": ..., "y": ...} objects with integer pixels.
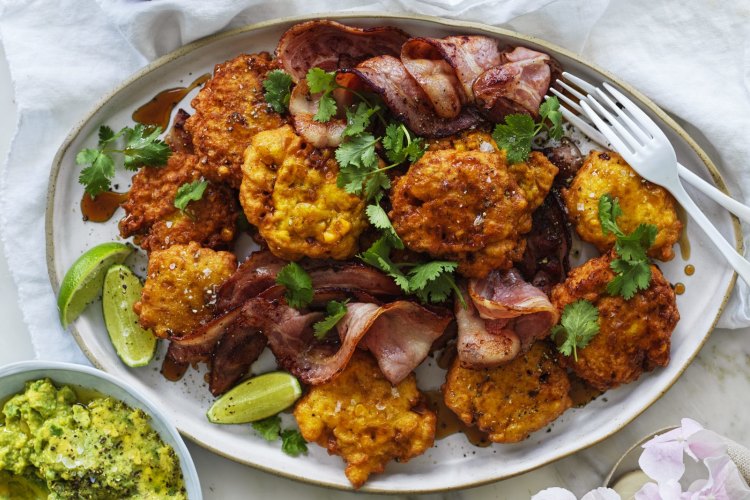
[{"x": 103, "y": 449}]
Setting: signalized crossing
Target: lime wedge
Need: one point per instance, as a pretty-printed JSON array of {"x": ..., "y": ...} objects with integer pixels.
[
  {"x": 134, "y": 345},
  {"x": 83, "y": 282},
  {"x": 255, "y": 399}
]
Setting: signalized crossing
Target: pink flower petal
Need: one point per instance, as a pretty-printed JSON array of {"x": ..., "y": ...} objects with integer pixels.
[
  {"x": 663, "y": 461},
  {"x": 554, "y": 494},
  {"x": 705, "y": 444},
  {"x": 649, "y": 491},
  {"x": 601, "y": 494}
]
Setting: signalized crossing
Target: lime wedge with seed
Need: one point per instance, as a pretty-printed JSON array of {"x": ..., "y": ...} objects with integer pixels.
[
  {"x": 255, "y": 399},
  {"x": 83, "y": 282},
  {"x": 134, "y": 345}
]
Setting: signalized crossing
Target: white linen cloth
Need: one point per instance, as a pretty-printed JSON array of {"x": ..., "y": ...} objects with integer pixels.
[{"x": 691, "y": 57}]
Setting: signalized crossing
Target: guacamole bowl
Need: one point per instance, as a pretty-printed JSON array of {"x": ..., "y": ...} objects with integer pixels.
[{"x": 13, "y": 379}]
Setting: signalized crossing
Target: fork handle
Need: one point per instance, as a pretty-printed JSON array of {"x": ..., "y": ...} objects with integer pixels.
[
  {"x": 734, "y": 206},
  {"x": 739, "y": 263}
]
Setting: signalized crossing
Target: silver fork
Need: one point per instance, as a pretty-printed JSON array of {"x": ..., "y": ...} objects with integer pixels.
[{"x": 645, "y": 147}]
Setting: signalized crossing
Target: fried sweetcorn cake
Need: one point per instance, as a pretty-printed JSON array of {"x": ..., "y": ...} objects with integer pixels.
[
  {"x": 180, "y": 290},
  {"x": 361, "y": 417},
  {"x": 511, "y": 401},
  {"x": 289, "y": 193},
  {"x": 463, "y": 201},
  {"x": 229, "y": 110},
  {"x": 640, "y": 200},
  {"x": 150, "y": 214},
  {"x": 634, "y": 335}
]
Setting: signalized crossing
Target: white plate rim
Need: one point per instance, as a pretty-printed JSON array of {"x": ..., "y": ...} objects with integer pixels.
[{"x": 641, "y": 98}]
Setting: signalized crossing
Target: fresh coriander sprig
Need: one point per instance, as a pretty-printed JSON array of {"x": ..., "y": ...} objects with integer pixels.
[
  {"x": 429, "y": 281},
  {"x": 632, "y": 268},
  {"x": 292, "y": 442},
  {"x": 142, "y": 147},
  {"x": 335, "y": 310},
  {"x": 298, "y": 284},
  {"x": 269, "y": 428},
  {"x": 277, "y": 86},
  {"x": 190, "y": 191},
  {"x": 516, "y": 135},
  {"x": 379, "y": 218},
  {"x": 321, "y": 81},
  {"x": 579, "y": 324}
]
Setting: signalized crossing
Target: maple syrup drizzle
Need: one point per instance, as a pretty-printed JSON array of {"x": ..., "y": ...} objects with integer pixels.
[
  {"x": 683, "y": 241},
  {"x": 158, "y": 110},
  {"x": 448, "y": 422},
  {"x": 689, "y": 269},
  {"x": 102, "y": 207},
  {"x": 172, "y": 370},
  {"x": 679, "y": 288}
]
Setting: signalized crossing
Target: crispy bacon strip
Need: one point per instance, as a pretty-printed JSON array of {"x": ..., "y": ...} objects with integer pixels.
[
  {"x": 330, "y": 45},
  {"x": 399, "y": 334},
  {"x": 402, "y": 333},
  {"x": 237, "y": 350},
  {"x": 446, "y": 68},
  {"x": 483, "y": 343},
  {"x": 387, "y": 77},
  {"x": 506, "y": 316},
  {"x": 517, "y": 85},
  {"x": 258, "y": 275}
]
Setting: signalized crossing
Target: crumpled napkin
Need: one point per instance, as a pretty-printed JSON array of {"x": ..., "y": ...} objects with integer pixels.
[{"x": 691, "y": 57}]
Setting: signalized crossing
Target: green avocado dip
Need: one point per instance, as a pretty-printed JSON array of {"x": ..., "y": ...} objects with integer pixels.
[{"x": 54, "y": 447}]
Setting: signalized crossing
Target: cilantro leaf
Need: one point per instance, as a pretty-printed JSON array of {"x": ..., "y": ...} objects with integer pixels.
[
  {"x": 299, "y": 291},
  {"x": 420, "y": 275},
  {"x": 277, "y": 86},
  {"x": 322, "y": 82},
  {"x": 375, "y": 183},
  {"x": 106, "y": 134},
  {"x": 433, "y": 281},
  {"x": 550, "y": 110},
  {"x": 609, "y": 211},
  {"x": 429, "y": 281},
  {"x": 143, "y": 147},
  {"x": 97, "y": 177},
  {"x": 631, "y": 277},
  {"x": 335, "y": 310},
  {"x": 378, "y": 256},
  {"x": 358, "y": 152},
  {"x": 319, "y": 80},
  {"x": 358, "y": 119},
  {"x": 326, "y": 108},
  {"x": 190, "y": 191},
  {"x": 292, "y": 443},
  {"x": 380, "y": 220},
  {"x": 268, "y": 428},
  {"x": 635, "y": 245},
  {"x": 579, "y": 324},
  {"x": 400, "y": 146},
  {"x": 515, "y": 136},
  {"x": 632, "y": 269}
]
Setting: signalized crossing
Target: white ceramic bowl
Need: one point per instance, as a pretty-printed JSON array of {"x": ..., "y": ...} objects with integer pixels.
[{"x": 14, "y": 376}]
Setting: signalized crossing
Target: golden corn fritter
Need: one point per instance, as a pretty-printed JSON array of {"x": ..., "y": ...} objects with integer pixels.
[
  {"x": 229, "y": 110},
  {"x": 154, "y": 221},
  {"x": 640, "y": 200},
  {"x": 180, "y": 290},
  {"x": 634, "y": 335},
  {"x": 513, "y": 400},
  {"x": 469, "y": 205},
  {"x": 360, "y": 416},
  {"x": 289, "y": 192}
]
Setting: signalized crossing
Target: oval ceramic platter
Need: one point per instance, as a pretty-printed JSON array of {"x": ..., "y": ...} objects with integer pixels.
[{"x": 452, "y": 462}]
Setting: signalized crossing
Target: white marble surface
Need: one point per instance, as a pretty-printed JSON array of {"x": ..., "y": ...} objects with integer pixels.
[{"x": 713, "y": 390}]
